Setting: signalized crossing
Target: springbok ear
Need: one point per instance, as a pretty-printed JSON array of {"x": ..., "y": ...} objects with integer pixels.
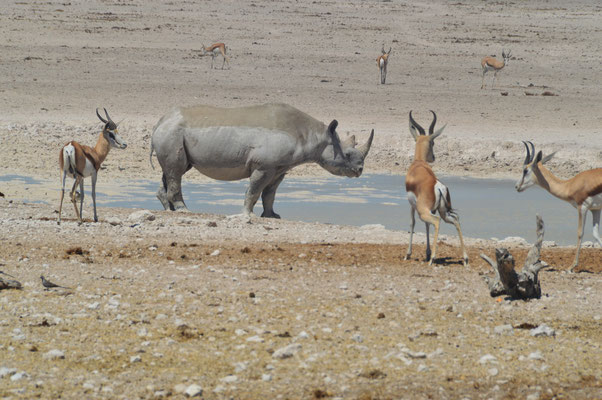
[
  {"x": 336, "y": 142},
  {"x": 538, "y": 157},
  {"x": 437, "y": 132},
  {"x": 548, "y": 158}
]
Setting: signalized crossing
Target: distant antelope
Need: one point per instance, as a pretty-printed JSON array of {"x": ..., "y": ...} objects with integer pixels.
[
  {"x": 80, "y": 161},
  {"x": 492, "y": 64},
  {"x": 583, "y": 191},
  {"x": 382, "y": 62},
  {"x": 214, "y": 50},
  {"x": 426, "y": 194}
]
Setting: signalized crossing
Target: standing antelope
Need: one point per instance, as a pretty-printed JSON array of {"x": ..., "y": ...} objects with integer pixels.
[
  {"x": 583, "y": 191},
  {"x": 382, "y": 62},
  {"x": 426, "y": 194},
  {"x": 492, "y": 64},
  {"x": 80, "y": 161},
  {"x": 215, "y": 49}
]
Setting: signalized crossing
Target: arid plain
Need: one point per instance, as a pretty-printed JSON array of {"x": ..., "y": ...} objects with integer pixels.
[{"x": 282, "y": 309}]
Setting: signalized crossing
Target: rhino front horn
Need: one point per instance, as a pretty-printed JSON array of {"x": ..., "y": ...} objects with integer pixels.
[{"x": 365, "y": 148}]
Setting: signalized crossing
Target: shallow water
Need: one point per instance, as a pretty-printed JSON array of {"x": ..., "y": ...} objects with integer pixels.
[{"x": 487, "y": 208}]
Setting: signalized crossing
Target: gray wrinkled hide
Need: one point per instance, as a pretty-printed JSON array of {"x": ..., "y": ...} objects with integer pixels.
[
  {"x": 522, "y": 285},
  {"x": 258, "y": 142}
]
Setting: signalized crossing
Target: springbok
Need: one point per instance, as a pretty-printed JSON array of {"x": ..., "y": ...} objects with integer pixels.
[
  {"x": 492, "y": 64},
  {"x": 426, "y": 194},
  {"x": 382, "y": 62},
  {"x": 583, "y": 191},
  {"x": 80, "y": 161},
  {"x": 215, "y": 49}
]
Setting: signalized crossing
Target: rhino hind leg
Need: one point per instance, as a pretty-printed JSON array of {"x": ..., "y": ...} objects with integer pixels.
[
  {"x": 258, "y": 181},
  {"x": 267, "y": 197},
  {"x": 162, "y": 195}
]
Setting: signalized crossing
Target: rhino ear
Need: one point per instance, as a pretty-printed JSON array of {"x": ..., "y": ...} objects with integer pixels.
[
  {"x": 349, "y": 141},
  {"x": 336, "y": 142}
]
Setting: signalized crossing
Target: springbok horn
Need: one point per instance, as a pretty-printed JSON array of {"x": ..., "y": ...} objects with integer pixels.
[
  {"x": 101, "y": 118},
  {"x": 107, "y": 114},
  {"x": 415, "y": 124},
  {"x": 365, "y": 148},
  {"x": 528, "y": 158},
  {"x": 432, "y": 127},
  {"x": 532, "y": 151}
]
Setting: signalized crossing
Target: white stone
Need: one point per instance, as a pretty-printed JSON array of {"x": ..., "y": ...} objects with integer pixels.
[
  {"x": 536, "y": 355},
  {"x": 18, "y": 376},
  {"x": 287, "y": 351},
  {"x": 141, "y": 216},
  {"x": 5, "y": 371},
  {"x": 357, "y": 338},
  {"x": 303, "y": 335},
  {"x": 492, "y": 371},
  {"x": 487, "y": 358},
  {"x": 229, "y": 379},
  {"x": 193, "y": 391},
  {"x": 543, "y": 330},
  {"x": 533, "y": 396},
  {"x": 215, "y": 253},
  {"x": 266, "y": 377},
  {"x": 135, "y": 359},
  {"x": 114, "y": 221},
  {"x": 54, "y": 354},
  {"x": 255, "y": 339}
]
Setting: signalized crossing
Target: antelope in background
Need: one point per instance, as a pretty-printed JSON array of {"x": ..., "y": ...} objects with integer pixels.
[
  {"x": 214, "y": 50},
  {"x": 492, "y": 64},
  {"x": 80, "y": 161},
  {"x": 583, "y": 191},
  {"x": 426, "y": 194},
  {"x": 382, "y": 62}
]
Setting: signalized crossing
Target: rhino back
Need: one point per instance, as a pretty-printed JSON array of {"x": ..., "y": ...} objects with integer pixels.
[{"x": 271, "y": 117}]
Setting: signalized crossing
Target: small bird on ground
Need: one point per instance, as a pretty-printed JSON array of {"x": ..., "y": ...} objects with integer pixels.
[
  {"x": 48, "y": 285},
  {"x": 4, "y": 273}
]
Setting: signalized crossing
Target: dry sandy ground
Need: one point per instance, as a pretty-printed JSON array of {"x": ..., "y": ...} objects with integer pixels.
[
  {"x": 194, "y": 299},
  {"x": 151, "y": 309}
]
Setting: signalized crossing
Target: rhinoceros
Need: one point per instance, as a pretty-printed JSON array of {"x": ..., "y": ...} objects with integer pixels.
[{"x": 259, "y": 142}]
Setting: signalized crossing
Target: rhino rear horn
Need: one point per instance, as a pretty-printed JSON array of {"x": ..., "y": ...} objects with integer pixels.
[{"x": 365, "y": 148}]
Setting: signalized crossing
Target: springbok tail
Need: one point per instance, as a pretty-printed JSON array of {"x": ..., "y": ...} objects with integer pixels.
[
  {"x": 447, "y": 203},
  {"x": 69, "y": 157}
]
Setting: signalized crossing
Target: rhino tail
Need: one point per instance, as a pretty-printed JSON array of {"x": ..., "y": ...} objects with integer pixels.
[{"x": 151, "y": 155}]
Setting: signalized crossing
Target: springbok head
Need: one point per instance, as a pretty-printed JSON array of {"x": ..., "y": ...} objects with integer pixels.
[
  {"x": 110, "y": 131},
  {"x": 506, "y": 56},
  {"x": 530, "y": 175},
  {"x": 349, "y": 161},
  {"x": 422, "y": 139}
]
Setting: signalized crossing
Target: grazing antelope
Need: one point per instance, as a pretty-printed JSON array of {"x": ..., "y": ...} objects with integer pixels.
[
  {"x": 426, "y": 194},
  {"x": 215, "y": 49},
  {"x": 80, "y": 161},
  {"x": 583, "y": 191},
  {"x": 382, "y": 62},
  {"x": 492, "y": 64}
]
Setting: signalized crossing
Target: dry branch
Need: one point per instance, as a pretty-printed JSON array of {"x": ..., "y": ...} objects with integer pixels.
[{"x": 523, "y": 285}]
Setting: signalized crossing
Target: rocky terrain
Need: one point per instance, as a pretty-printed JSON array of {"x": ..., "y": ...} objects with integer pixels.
[
  {"x": 175, "y": 305},
  {"x": 161, "y": 302}
]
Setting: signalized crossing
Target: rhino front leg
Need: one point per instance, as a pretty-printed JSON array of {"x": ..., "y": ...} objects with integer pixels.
[
  {"x": 267, "y": 197},
  {"x": 257, "y": 183}
]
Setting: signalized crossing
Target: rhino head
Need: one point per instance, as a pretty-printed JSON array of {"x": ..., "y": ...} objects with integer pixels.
[{"x": 343, "y": 158}]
